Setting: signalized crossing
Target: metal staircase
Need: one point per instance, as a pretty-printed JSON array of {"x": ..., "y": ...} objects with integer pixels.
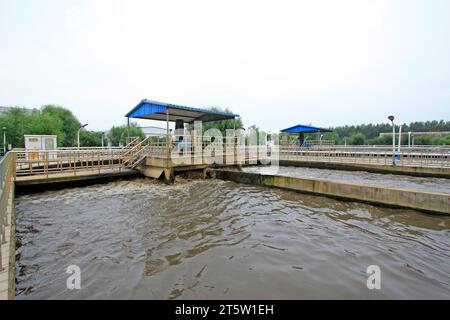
[{"x": 138, "y": 151}]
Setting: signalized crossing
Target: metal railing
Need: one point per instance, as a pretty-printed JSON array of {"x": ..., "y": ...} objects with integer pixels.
[
  {"x": 6, "y": 181},
  {"x": 136, "y": 154},
  {"x": 403, "y": 149},
  {"x": 74, "y": 160},
  {"x": 309, "y": 144},
  {"x": 132, "y": 142},
  {"x": 183, "y": 150},
  {"x": 369, "y": 156},
  {"x": 329, "y": 145},
  {"x": 45, "y": 162}
]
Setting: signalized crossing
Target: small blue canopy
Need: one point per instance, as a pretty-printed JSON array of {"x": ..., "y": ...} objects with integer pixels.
[
  {"x": 155, "y": 110},
  {"x": 304, "y": 129}
]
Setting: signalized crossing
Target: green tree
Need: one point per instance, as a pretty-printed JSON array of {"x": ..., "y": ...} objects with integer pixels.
[
  {"x": 46, "y": 124},
  {"x": 384, "y": 140},
  {"x": 357, "y": 139},
  {"x": 51, "y": 120},
  {"x": 222, "y": 125},
  {"x": 67, "y": 136},
  {"x": 16, "y": 121},
  {"x": 91, "y": 139},
  {"x": 372, "y": 131},
  {"x": 423, "y": 140},
  {"x": 20, "y": 122},
  {"x": 334, "y": 136},
  {"x": 118, "y": 135},
  {"x": 442, "y": 141}
]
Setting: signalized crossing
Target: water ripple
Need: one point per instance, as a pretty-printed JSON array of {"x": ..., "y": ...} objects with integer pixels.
[{"x": 221, "y": 240}]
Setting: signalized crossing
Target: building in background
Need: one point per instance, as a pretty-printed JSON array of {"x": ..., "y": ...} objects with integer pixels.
[
  {"x": 35, "y": 144},
  {"x": 153, "y": 131}
]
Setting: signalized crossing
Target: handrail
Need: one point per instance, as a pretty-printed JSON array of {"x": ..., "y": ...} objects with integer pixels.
[
  {"x": 419, "y": 159},
  {"x": 137, "y": 146},
  {"x": 88, "y": 148},
  {"x": 135, "y": 157},
  {"x": 46, "y": 162},
  {"x": 131, "y": 156},
  {"x": 36, "y": 155},
  {"x": 131, "y": 143}
]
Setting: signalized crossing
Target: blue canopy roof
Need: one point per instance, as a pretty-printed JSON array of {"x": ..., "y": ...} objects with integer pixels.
[
  {"x": 304, "y": 129},
  {"x": 154, "y": 110}
]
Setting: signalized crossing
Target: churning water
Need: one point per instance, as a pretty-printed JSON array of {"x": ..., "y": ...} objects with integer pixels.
[{"x": 210, "y": 239}]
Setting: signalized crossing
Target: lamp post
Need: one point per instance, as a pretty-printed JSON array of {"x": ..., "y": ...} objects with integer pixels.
[
  {"x": 103, "y": 134},
  {"x": 392, "y": 118},
  {"x": 4, "y": 140},
  {"x": 78, "y": 134},
  {"x": 400, "y": 141}
]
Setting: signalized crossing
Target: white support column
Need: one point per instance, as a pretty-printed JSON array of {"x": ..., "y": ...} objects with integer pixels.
[{"x": 167, "y": 135}]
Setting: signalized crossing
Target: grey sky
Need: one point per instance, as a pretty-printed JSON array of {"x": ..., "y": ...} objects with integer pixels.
[{"x": 275, "y": 63}]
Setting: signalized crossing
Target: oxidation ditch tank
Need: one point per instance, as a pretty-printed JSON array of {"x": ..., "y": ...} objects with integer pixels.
[{"x": 211, "y": 239}]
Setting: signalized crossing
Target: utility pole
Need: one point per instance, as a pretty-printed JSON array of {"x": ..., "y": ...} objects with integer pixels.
[
  {"x": 4, "y": 140},
  {"x": 78, "y": 134},
  {"x": 392, "y": 118},
  {"x": 399, "y": 140}
]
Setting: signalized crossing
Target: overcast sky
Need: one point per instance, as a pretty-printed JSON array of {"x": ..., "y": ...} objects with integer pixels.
[{"x": 275, "y": 63}]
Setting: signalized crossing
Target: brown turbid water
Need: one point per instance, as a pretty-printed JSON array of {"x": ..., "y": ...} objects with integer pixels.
[{"x": 210, "y": 239}]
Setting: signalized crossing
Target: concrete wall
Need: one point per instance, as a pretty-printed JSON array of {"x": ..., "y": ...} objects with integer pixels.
[
  {"x": 69, "y": 177},
  {"x": 7, "y": 273},
  {"x": 402, "y": 198}
]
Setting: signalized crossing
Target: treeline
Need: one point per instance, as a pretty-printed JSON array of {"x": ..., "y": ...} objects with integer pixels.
[
  {"x": 369, "y": 134},
  {"x": 223, "y": 125},
  {"x": 56, "y": 120}
]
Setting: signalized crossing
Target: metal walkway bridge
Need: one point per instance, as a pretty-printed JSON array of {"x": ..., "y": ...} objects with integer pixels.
[{"x": 153, "y": 157}]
